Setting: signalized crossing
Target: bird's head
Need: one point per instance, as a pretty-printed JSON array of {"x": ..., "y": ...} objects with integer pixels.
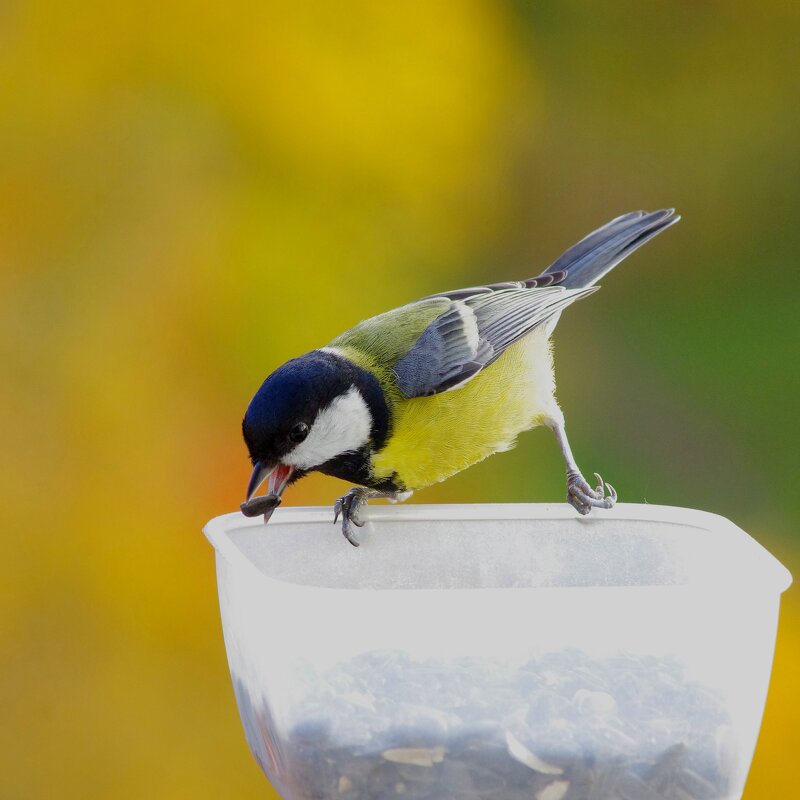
[{"x": 306, "y": 413}]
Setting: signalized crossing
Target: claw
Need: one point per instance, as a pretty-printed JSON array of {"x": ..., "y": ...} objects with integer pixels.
[
  {"x": 582, "y": 509},
  {"x": 583, "y": 498},
  {"x": 348, "y": 506},
  {"x": 348, "y": 534},
  {"x": 601, "y": 486}
]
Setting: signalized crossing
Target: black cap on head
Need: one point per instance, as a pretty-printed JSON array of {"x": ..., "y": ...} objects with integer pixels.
[{"x": 292, "y": 395}]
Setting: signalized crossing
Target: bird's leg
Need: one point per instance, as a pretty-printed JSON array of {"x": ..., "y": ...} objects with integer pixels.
[
  {"x": 580, "y": 495},
  {"x": 350, "y": 505}
]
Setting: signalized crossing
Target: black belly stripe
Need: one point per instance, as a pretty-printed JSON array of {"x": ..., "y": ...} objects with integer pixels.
[{"x": 355, "y": 468}]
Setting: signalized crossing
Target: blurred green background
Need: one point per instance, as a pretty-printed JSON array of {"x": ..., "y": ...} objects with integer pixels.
[{"x": 191, "y": 194}]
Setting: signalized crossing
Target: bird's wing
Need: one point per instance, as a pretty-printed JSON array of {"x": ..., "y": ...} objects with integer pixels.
[
  {"x": 475, "y": 329},
  {"x": 383, "y": 340},
  {"x": 593, "y": 256},
  {"x": 538, "y": 282}
]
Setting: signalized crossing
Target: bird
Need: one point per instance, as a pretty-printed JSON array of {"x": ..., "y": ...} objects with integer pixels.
[{"x": 410, "y": 397}]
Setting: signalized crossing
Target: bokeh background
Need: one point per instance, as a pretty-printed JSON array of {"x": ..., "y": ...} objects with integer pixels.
[{"x": 193, "y": 193}]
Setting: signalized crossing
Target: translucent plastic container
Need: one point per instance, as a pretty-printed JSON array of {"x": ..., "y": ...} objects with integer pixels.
[{"x": 499, "y": 651}]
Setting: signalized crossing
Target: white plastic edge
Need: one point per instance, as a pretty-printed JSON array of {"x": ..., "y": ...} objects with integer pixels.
[{"x": 217, "y": 529}]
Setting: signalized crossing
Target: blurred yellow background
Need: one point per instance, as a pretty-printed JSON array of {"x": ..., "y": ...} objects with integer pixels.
[{"x": 191, "y": 194}]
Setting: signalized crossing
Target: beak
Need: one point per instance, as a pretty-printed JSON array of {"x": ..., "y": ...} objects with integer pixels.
[
  {"x": 260, "y": 473},
  {"x": 279, "y": 476},
  {"x": 279, "y": 479}
]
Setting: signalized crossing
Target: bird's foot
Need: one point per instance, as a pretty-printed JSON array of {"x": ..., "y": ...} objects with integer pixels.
[
  {"x": 583, "y": 498},
  {"x": 349, "y": 507}
]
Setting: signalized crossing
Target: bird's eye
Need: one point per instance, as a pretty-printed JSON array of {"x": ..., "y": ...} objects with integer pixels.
[{"x": 299, "y": 432}]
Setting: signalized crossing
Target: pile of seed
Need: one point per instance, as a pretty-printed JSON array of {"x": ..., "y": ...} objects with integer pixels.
[{"x": 561, "y": 727}]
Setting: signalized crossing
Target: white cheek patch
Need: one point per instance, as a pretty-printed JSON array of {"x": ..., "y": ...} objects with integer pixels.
[{"x": 342, "y": 427}]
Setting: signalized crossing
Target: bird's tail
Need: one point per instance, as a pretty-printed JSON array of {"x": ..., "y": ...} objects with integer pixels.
[{"x": 599, "y": 252}]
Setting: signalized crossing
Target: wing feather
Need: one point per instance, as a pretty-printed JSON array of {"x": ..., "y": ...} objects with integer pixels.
[
  {"x": 482, "y": 322},
  {"x": 474, "y": 332}
]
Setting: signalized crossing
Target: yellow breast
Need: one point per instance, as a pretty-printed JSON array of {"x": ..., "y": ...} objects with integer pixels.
[{"x": 435, "y": 437}]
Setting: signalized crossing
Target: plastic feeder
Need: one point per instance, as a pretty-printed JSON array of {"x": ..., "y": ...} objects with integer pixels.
[{"x": 499, "y": 651}]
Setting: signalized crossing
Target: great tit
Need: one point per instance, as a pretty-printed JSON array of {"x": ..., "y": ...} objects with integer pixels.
[{"x": 410, "y": 397}]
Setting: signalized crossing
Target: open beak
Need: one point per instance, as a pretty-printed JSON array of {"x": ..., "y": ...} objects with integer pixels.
[
  {"x": 261, "y": 472},
  {"x": 278, "y": 477}
]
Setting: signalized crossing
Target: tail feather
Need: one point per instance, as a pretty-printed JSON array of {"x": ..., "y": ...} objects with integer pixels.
[{"x": 599, "y": 252}]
